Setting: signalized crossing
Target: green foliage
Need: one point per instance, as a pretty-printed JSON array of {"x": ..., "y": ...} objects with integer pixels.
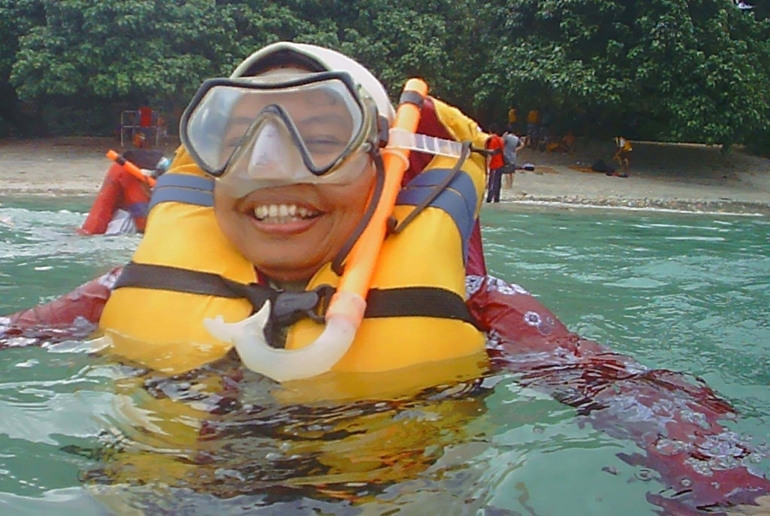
[
  {"x": 696, "y": 70},
  {"x": 665, "y": 69}
]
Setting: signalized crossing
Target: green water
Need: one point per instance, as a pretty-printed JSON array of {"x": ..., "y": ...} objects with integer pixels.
[{"x": 683, "y": 292}]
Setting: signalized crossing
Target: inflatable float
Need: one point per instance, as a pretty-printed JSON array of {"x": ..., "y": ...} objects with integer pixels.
[{"x": 123, "y": 199}]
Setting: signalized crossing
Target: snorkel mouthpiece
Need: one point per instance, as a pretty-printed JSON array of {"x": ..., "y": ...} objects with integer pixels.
[
  {"x": 347, "y": 306},
  {"x": 281, "y": 364}
]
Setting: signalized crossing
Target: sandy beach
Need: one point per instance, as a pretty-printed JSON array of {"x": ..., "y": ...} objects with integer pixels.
[{"x": 677, "y": 176}]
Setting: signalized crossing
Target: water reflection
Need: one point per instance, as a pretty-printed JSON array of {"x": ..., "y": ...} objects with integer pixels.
[{"x": 223, "y": 432}]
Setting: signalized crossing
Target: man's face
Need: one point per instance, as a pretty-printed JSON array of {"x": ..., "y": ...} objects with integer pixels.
[{"x": 289, "y": 232}]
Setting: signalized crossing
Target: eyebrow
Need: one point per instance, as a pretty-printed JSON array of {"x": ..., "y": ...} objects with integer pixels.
[
  {"x": 324, "y": 118},
  {"x": 325, "y": 97},
  {"x": 313, "y": 119}
]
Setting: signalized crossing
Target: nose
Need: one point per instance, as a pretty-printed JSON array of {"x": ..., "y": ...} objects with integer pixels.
[
  {"x": 271, "y": 156},
  {"x": 268, "y": 148}
]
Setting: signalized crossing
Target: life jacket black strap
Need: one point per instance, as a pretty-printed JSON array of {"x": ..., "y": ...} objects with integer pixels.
[
  {"x": 174, "y": 279},
  {"x": 417, "y": 302},
  {"x": 289, "y": 307}
]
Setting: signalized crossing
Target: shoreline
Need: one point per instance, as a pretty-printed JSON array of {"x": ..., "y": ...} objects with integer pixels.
[
  {"x": 733, "y": 207},
  {"x": 737, "y": 209},
  {"x": 671, "y": 177}
]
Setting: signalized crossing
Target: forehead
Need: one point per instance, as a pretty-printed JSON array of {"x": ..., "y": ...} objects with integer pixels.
[
  {"x": 282, "y": 58},
  {"x": 322, "y": 96}
]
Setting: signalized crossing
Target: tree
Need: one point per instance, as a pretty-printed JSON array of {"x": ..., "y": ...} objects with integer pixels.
[
  {"x": 109, "y": 55},
  {"x": 665, "y": 69},
  {"x": 695, "y": 70},
  {"x": 16, "y": 18}
]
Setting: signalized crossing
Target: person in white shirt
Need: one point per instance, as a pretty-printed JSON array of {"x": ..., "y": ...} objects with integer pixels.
[{"x": 513, "y": 144}]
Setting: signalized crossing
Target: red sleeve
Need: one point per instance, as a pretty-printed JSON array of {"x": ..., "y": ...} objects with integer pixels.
[
  {"x": 74, "y": 314},
  {"x": 676, "y": 422}
]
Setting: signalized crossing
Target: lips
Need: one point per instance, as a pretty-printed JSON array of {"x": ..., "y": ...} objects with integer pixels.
[{"x": 283, "y": 213}]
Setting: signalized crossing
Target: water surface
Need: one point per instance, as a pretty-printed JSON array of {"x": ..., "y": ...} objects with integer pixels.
[{"x": 678, "y": 291}]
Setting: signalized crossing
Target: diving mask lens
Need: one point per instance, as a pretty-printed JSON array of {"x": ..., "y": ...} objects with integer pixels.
[{"x": 308, "y": 126}]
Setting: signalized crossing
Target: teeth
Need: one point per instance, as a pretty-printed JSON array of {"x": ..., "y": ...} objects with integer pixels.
[{"x": 282, "y": 213}]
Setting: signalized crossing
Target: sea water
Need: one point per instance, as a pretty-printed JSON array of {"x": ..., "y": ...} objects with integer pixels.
[{"x": 685, "y": 292}]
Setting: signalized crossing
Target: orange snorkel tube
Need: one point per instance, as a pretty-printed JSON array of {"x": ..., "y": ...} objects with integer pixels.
[
  {"x": 363, "y": 257},
  {"x": 347, "y": 306},
  {"x": 130, "y": 167}
]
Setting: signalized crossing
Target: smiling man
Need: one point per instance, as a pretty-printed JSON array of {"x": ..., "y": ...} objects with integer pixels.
[{"x": 290, "y": 149}]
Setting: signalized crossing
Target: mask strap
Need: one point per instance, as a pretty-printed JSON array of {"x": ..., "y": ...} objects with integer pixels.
[
  {"x": 337, "y": 262},
  {"x": 466, "y": 150}
]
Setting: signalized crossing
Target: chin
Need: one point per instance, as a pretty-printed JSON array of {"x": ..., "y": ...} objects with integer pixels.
[
  {"x": 288, "y": 273},
  {"x": 288, "y": 267}
]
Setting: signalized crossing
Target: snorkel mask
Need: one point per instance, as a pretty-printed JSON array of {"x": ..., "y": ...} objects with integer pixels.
[
  {"x": 282, "y": 129},
  {"x": 284, "y": 126}
]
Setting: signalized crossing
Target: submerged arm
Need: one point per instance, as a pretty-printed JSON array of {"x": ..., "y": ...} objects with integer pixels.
[
  {"x": 74, "y": 315},
  {"x": 674, "y": 420}
]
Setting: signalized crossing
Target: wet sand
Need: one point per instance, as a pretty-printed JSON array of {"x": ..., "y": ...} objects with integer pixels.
[{"x": 676, "y": 176}]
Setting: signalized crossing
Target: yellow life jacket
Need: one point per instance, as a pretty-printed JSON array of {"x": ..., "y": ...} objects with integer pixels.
[{"x": 160, "y": 327}]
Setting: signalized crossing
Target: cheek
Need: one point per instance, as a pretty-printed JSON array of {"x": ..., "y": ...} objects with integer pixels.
[
  {"x": 224, "y": 210},
  {"x": 351, "y": 200}
]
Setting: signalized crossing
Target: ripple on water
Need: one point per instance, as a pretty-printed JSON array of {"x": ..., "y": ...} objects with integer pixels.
[{"x": 637, "y": 283}]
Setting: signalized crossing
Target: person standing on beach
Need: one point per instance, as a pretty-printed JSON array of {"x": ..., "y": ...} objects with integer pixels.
[
  {"x": 533, "y": 126},
  {"x": 494, "y": 145},
  {"x": 145, "y": 118},
  {"x": 512, "y": 144},
  {"x": 513, "y": 117},
  {"x": 624, "y": 148}
]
